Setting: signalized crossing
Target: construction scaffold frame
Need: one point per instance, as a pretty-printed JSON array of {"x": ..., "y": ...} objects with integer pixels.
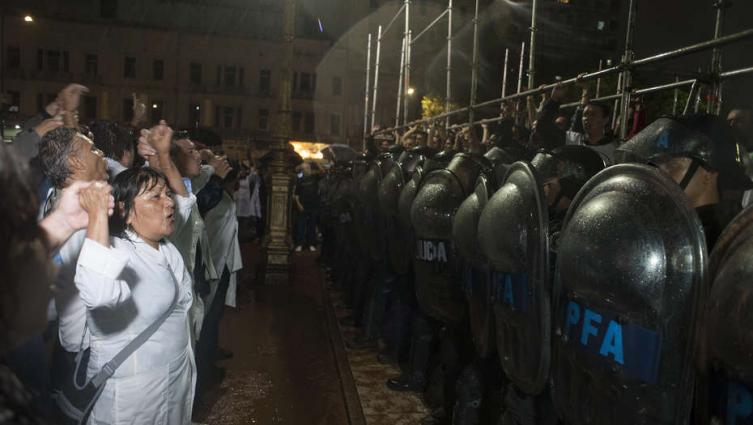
[{"x": 712, "y": 82}]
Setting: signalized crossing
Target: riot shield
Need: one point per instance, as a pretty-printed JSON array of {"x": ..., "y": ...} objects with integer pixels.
[
  {"x": 631, "y": 272},
  {"x": 397, "y": 240},
  {"x": 513, "y": 235},
  {"x": 476, "y": 276},
  {"x": 727, "y": 340},
  {"x": 437, "y": 267},
  {"x": 370, "y": 232}
]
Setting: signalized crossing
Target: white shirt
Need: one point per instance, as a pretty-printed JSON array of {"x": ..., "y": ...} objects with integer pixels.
[
  {"x": 125, "y": 289},
  {"x": 222, "y": 226}
]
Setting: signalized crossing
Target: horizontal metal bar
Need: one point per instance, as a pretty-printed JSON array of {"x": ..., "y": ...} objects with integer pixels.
[
  {"x": 723, "y": 76},
  {"x": 428, "y": 27},
  {"x": 394, "y": 18},
  {"x": 735, "y": 73},
  {"x": 706, "y": 45}
]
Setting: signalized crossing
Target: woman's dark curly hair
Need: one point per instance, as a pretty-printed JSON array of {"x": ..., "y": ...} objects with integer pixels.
[{"x": 125, "y": 188}]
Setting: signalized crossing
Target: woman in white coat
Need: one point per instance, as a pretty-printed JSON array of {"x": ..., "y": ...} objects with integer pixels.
[{"x": 127, "y": 276}]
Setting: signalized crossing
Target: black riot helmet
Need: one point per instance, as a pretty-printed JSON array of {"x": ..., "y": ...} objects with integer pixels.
[
  {"x": 572, "y": 165},
  {"x": 704, "y": 138}
]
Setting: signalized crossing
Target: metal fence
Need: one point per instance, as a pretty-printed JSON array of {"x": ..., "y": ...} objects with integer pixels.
[{"x": 712, "y": 82}]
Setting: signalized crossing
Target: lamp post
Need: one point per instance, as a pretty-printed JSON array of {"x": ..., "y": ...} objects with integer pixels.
[{"x": 276, "y": 249}]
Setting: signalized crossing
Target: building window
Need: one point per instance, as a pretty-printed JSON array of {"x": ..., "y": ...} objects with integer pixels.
[
  {"x": 297, "y": 121},
  {"x": 265, "y": 82},
  {"x": 229, "y": 76},
  {"x": 263, "y": 119},
  {"x": 129, "y": 68},
  {"x": 238, "y": 117},
  {"x": 128, "y": 109},
  {"x": 334, "y": 124},
  {"x": 219, "y": 76},
  {"x": 158, "y": 109},
  {"x": 337, "y": 86},
  {"x": 308, "y": 123},
  {"x": 53, "y": 61},
  {"x": 91, "y": 65},
  {"x": 90, "y": 108},
  {"x": 13, "y": 57},
  {"x": 228, "y": 114},
  {"x": 66, "y": 61},
  {"x": 108, "y": 9},
  {"x": 195, "y": 73},
  {"x": 241, "y": 77},
  {"x": 40, "y": 59},
  {"x": 158, "y": 69},
  {"x": 304, "y": 82},
  {"x": 194, "y": 115},
  {"x": 15, "y": 101},
  {"x": 217, "y": 111}
]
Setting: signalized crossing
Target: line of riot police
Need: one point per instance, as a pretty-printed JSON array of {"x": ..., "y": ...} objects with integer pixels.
[{"x": 519, "y": 285}]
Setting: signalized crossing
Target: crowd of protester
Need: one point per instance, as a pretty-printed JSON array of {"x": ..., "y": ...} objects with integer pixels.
[{"x": 120, "y": 251}]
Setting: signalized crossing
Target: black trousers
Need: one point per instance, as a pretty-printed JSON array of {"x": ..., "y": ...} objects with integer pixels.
[{"x": 206, "y": 346}]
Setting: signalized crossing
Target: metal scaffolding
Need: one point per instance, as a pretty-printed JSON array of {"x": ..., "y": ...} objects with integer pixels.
[{"x": 624, "y": 70}]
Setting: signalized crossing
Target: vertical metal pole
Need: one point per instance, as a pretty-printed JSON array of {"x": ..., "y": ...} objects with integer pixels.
[
  {"x": 598, "y": 80},
  {"x": 676, "y": 98},
  {"x": 474, "y": 66},
  {"x": 400, "y": 91},
  {"x": 627, "y": 79},
  {"x": 376, "y": 76},
  {"x": 520, "y": 68},
  {"x": 504, "y": 72},
  {"x": 406, "y": 84},
  {"x": 616, "y": 108},
  {"x": 715, "y": 102},
  {"x": 366, "y": 129},
  {"x": 448, "y": 91},
  {"x": 532, "y": 46},
  {"x": 691, "y": 95}
]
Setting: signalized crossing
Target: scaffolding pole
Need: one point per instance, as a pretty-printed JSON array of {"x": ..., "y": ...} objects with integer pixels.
[
  {"x": 400, "y": 91},
  {"x": 448, "y": 89},
  {"x": 715, "y": 101},
  {"x": 627, "y": 74},
  {"x": 406, "y": 73},
  {"x": 598, "y": 80},
  {"x": 366, "y": 129},
  {"x": 676, "y": 97},
  {"x": 474, "y": 65},
  {"x": 376, "y": 75},
  {"x": 504, "y": 73},
  {"x": 532, "y": 46}
]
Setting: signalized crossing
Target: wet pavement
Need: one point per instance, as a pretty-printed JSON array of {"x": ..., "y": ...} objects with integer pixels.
[{"x": 285, "y": 367}]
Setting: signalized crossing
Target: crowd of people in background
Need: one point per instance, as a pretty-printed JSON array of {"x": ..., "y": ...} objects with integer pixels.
[{"x": 120, "y": 251}]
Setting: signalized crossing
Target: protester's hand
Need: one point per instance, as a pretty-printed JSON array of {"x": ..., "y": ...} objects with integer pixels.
[
  {"x": 144, "y": 149},
  {"x": 70, "y": 97},
  {"x": 53, "y": 108},
  {"x": 220, "y": 165},
  {"x": 139, "y": 110},
  {"x": 581, "y": 82},
  {"x": 96, "y": 199},
  {"x": 559, "y": 92},
  {"x": 160, "y": 137},
  {"x": 207, "y": 155},
  {"x": 70, "y": 208},
  {"x": 48, "y": 125}
]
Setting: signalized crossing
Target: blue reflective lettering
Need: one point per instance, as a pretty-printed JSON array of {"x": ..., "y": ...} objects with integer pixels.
[
  {"x": 573, "y": 315},
  {"x": 612, "y": 343},
  {"x": 508, "y": 290},
  {"x": 588, "y": 328},
  {"x": 739, "y": 403}
]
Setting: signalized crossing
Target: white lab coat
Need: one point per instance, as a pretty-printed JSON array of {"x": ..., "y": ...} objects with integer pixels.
[
  {"x": 222, "y": 227},
  {"x": 69, "y": 308},
  {"x": 126, "y": 288},
  {"x": 187, "y": 237}
]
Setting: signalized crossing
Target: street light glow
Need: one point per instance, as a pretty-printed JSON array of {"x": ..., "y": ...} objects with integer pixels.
[
  {"x": 154, "y": 106},
  {"x": 28, "y": 18},
  {"x": 411, "y": 90}
]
